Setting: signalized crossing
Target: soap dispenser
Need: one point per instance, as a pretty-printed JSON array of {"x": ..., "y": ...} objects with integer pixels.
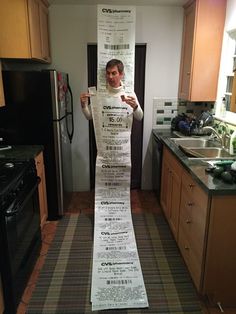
[
  {"x": 232, "y": 144},
  {"x": 223, "y": 108}
]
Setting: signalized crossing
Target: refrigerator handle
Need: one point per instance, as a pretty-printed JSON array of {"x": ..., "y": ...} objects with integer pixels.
[{"x": 70, "y": 134}]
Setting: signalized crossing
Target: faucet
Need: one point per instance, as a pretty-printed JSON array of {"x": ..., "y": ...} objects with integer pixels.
[
  {"x": 224, "y": 139},
  {"x": 210, "y": 128}
]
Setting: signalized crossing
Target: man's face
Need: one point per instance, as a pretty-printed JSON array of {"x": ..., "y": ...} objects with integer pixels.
[{"x": 113, "y": 76}]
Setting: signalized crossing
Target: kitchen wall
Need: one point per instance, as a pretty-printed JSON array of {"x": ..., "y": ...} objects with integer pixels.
[{"x": 72, "y": 27}]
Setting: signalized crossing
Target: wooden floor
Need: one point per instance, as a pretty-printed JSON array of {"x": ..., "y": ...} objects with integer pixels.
[{"x": 83, "y": 202}]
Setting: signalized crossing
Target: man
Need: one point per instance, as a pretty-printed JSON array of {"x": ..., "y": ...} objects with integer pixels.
[{"x": 115, "y": 88}]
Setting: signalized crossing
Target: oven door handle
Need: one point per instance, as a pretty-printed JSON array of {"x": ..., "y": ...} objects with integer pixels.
[{"x": 21, "y": 205}]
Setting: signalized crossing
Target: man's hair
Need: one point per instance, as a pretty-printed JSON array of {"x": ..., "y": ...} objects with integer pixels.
[{"x": 115, "y": 62}]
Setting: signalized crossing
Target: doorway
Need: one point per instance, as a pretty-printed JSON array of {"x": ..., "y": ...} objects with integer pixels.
[{"x": 137, "y": 128}]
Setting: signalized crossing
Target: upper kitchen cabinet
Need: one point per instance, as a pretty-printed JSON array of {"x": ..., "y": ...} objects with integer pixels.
[
  {"x": 201, "y": 49},
  {"x": 24, "y": 30}
]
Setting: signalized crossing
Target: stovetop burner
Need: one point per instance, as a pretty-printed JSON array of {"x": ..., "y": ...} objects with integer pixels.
[{"x": 9, "y": 165}]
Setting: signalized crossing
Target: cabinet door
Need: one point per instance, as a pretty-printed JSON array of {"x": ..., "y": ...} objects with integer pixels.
[
  {"x": 14, "y": 30},
  {"x": 38, "y": 21},
  {"x": 165, "y": 187},
  {"x": 42, "y": 189},
  {"x": 201, "y": 49},
  {"x": 220, "y": 269},
  {"x": 175, "y": 200},
  {"x": 2, "y": 99},
  {"x": 170, "y": 190},
  {"x": 35, "y": 33},
  {"x": 187, "y": 50},
  {"x": 44, "y": 31},
  {"x": 24, "y": 30}
]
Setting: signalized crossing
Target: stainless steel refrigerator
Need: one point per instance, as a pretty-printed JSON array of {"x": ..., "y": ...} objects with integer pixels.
[{"x": 39, "y": 110}]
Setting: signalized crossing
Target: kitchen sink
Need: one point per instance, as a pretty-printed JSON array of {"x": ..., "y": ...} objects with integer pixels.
[
  {"x": 201, "y": 148},
  {"x": 209, "y": 152},
  {"x": 196, "y": 142}
]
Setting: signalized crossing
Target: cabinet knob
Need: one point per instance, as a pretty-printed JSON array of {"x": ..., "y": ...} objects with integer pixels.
[
  {"x": 191, "y": 185},
  {"x": 188, "y": 221},
  {"x": 188, "y": 73},
  {"x": 186, "y": 247},
  {"x": 190, "y": 203}
]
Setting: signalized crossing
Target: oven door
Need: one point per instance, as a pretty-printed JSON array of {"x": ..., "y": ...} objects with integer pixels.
[{"x": 21, "y": 245}]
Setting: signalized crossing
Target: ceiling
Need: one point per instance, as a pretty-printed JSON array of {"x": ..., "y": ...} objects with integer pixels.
[{"x": 121, "y": 2}]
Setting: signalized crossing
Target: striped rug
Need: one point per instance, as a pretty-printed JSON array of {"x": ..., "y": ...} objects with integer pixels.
[{"x": 64, "y": 281}]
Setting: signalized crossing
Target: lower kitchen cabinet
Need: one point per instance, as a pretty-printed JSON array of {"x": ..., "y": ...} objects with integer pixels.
[
  {"x": 204, "y": 228},
  {"x": 39, "y": 161},
  {"x": 170, "y": 189},
  {"x": 192, "y": 226},
  {"x": 220, "y": 264}
]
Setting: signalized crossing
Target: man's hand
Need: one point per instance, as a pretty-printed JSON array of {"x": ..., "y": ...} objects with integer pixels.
[
  {"x": 84, "y": 98},
  {"x": 130, "y": 100}
]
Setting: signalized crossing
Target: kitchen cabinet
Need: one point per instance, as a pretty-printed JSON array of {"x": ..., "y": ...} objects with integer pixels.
[
  {"x": 24, "y": 30},
  {"x": 204, "y": 228},
  {"x": 192, "y": 226},
  {"x": 220, "y": 264},
  {"x": 2, "y": 99},
  {"x": 201, "y": 49},
  {"x": 39, "y": 162},
  {"x": 170, "y": 189}
]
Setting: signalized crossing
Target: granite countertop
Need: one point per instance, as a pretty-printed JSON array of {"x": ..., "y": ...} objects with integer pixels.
[
  {"x": 21, "y": 152},
  {"x": 196, "y": 167}
]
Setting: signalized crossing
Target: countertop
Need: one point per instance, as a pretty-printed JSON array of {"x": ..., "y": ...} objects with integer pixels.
[
  {"x": 196, "y": 167},
  {"x": 21, "y": 152}
]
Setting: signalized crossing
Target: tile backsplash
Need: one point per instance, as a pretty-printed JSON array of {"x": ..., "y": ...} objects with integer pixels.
[
  {"x": 165, "y": 109},
  {"x": 195, "y": 108}
]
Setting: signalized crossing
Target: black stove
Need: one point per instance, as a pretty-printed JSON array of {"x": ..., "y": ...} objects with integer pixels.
[
  {"x": 10, "y": 172},
  {"x": 15, "y": 177},
  {"x": 20, "y": 234}
]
